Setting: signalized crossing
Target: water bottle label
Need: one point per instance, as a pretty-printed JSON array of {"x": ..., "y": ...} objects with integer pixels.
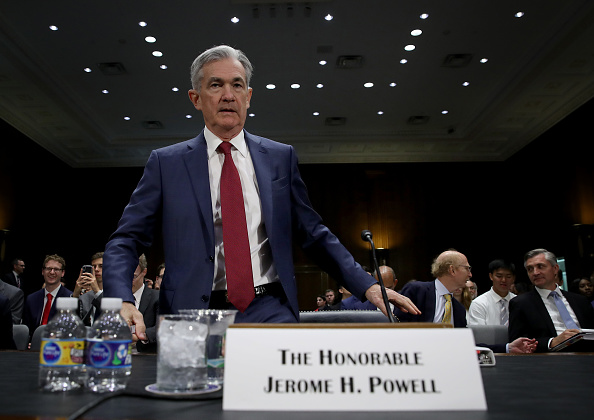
[
  {"x": 109, "y": 354},
  {"x": 62, "y": 352},
  {"x": 216, "y": 363}
]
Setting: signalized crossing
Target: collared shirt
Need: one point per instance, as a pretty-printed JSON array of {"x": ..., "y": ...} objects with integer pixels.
[
  {"x": 549, "y": 303},
  {"x": 262, "y": 265},
  {"x": 486, "y": 309},
  {"x": 440, "y": 301},
  {"x": 54, "y": 293},
  {"x": 138, "y": 295}
]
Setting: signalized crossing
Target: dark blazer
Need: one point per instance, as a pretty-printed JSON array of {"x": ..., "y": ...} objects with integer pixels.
[
  {"x": 149, "y": 308},
  {"x": 34, "y": 307},
  {"x": 6, "y": 337},
  {"x": 86, "y": 303},
  {"x": 175, "y": 192},
  {"x": 10, "y": 278},
  {"x": 422, "y": 294},
  {"x": 352, "y": 303},
  {"x": 528, "y": 317},
  {"x": 17, "y": 300}
]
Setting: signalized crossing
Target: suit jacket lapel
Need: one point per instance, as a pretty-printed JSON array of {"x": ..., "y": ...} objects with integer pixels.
[
  {"x": 262, "y": 168},
  {"x": 196, "y": 161},
  {"x": 430, "y": 308},
  {"x": 542, "y": 313}
]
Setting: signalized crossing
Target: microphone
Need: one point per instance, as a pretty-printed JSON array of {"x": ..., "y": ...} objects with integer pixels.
[{"x": 367, "y": 237}]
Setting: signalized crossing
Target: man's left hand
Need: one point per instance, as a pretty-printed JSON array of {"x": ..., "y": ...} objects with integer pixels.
[
  {"x": 374, "y": 295},
  {"x": 523, "y": 345}
]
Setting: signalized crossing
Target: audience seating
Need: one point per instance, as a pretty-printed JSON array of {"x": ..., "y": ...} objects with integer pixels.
[
  {"x": 489, "y": 334},
  {"x": 20, "y": 333}
]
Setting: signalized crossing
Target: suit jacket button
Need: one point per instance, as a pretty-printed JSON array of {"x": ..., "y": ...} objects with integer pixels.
[
  {"x": 211, "y": 258},
  {"x": 205, "y": 298}
]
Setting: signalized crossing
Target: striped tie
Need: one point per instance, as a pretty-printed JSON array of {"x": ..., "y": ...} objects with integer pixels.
[
  {"x": 503, "y": 314},
  {"x": 447, "y": 314}
]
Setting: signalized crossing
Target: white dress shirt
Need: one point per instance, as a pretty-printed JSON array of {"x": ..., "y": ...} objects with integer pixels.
[
  {"x": 262, "y": 265},
  {"x": 549, "y": 303},
  {"x": 138, "y": 296},
  {"x": 486, "y": 309}
]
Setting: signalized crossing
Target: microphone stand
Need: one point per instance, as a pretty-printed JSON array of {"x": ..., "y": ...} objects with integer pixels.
[{"x": 366, "y": 236}]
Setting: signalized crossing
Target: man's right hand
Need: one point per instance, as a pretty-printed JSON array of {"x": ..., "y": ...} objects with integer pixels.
[
  {"x": 134, "y": 318},
  {"x": 563, "y": 336}
]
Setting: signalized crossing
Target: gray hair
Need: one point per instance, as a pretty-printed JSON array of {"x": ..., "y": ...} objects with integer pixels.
[
  {"x": 217, "y": 53},
  {"x": 549, "y": 256}
]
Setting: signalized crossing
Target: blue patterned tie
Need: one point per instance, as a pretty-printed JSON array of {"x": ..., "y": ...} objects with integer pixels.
[{"x": 567, "y": 319}]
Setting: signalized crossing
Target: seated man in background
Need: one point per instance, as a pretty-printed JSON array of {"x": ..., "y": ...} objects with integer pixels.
[
  {"x": 90, "y": 302},
  {"x": 159, "y": 277},
  {"x": 353, "y": 303},
  {"x": 39, "y": 306},
  {"x": 547, "y": 313},
  {"x": 492, "y": 307}
]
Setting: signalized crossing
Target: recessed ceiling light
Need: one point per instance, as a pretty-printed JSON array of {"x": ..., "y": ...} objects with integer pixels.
[
  {"x": 445, "y": 111},
  {"x": 416, "y": 32},
  {"x": 157, "y": 53},
  {"x": 519, "y": 14},
  {"x": 142, "y": 23},
  {"x": 295, "y": 86},
  {"x": 87, "y": 70},
  {"x": 409, "y": 47},
  {"x": 188, "y": 116},
  {"x": 319, "y": 86},
  {"x": 270, "y": 86},
  {"x": 234, "y": 19},
  {"x": 465, "y": 83},
  {"x": 127, "y": 118},
  {"x": 252, "y": 115},
  {"x": 150, "y": 39},
  {"x": 328, "y": 17},
  {"x": 315, "y": 114},
  {"x": 322, "y": 62},
  {"x": 484, "y": 60},
  {"x": 403, "y": 61},
  {"x": 175, "y": 89},
  {"x": 392, "y": 84},
  {"x": 104, "y": 91},
  {"x": 53, "y": 28},
  {"x": 163, "y": 67},
  {"x": 380, "y": 112},
  {"x": 368, "y": 85},
  {"x": 424, "y": 16}
]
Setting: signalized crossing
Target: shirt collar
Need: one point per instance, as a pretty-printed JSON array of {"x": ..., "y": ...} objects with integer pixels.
[
  {"x": 544, "y": 293},
  {"x": 497, "y": 298},
  {"x": 138, "y": 294},
  {"x": 441, "y": 289},
  {"x": 212, "y": 142}
]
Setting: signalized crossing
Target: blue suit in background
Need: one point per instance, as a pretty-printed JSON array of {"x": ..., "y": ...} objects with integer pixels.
[
  {"x": 34, "y": 307},
  {"x": 423, "y": 296},
  {"x": 174, "y": 193}
]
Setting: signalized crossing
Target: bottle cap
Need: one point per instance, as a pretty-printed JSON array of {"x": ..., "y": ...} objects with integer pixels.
[
  {"x": 67, "y": 303},
  {"x": 111, "y": 304}
]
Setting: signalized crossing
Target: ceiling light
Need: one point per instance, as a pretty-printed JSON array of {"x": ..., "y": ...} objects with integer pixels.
[
  {"x": 484, "y": 60},
  {"x": 150, "y": 39},
  {"x": 315, "y": 114},
  {"x": 188, "y": 116},
  {"x": 127, "y": 118},
  {"x": 270, "y": 86},
  {"x": 295, "y": 86},
  {"x": 104, "y": 91},
  {"x": 328, "y": 17},
  {"x": 519, "y": 14},
  {"x": 252, "y": 115},
  {"x": 403, "y": 61},
  {"x": 319, "y": 86},
  {"x": 380, "y": 112},
  {"x": 409, "y": 47},
  {"x": 368, "y": 85},
  {"x": 322, "y": 62},
  {"x": 234, "y": 19},
  {"x": 175, "y": 89},
  {"x": 392, "y": 84},
  {"x": 424, "y": 16},
  {"x": 416, "y": 32},
  {"x": 87, "y": 70},
  {"x": 141, "y": 23},
  {"x": 53, "y": 28},
  {"x": 163, "y": 67},
  {"x": 445, "y": 111},
  {"x": 157, "y": 53},
  {"x": 465, "y": 83}
]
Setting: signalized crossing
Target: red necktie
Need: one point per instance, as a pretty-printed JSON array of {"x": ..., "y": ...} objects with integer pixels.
[
  {"x": 238, "y": 260},
  {"x": 46, "y": 309}
]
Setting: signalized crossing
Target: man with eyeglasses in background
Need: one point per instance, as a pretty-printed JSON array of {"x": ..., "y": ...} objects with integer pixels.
[{"x": 39, "y": 306}]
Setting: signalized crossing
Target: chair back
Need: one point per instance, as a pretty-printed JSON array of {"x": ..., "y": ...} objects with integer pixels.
[
  {"x": 36, "y": 339},
  {"x": 489, "y": 334},
  {"x": 20, "y": 333}
]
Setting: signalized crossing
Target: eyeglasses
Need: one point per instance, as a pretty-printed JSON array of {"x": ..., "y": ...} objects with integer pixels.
[
  {"x": 50, "y": 269},
  {"x": 469, "y": 268}
]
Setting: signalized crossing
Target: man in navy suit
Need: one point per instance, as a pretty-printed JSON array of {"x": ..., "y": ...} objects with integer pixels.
[
  {"x": 53, "y": 271},
  {"x": 14, "y": 277},
  {"x": 536, "y": 314},
  {"x": 180, "y": 191}
]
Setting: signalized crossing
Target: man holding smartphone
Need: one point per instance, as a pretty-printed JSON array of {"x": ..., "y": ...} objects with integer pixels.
[{"x": 89, "y": 288}]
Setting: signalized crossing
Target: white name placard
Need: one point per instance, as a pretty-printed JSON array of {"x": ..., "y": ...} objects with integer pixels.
[{"x": 382, "y": 368}]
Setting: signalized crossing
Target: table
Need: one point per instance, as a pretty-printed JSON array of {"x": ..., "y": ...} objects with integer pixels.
[{"x": 520, "y": 386}]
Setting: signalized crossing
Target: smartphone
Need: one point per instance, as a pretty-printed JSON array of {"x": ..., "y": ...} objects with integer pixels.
[{"x": 87, "y": 269}]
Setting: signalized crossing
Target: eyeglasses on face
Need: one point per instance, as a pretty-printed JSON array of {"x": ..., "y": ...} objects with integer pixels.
[
  {"x": 50, "y": 269},
  {"x": 469, "y": 268}
]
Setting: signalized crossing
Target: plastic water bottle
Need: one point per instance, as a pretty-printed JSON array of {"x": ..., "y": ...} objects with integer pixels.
[
  {"x": 61, "y": 357},
  {"x": 108, "y": 354}
]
